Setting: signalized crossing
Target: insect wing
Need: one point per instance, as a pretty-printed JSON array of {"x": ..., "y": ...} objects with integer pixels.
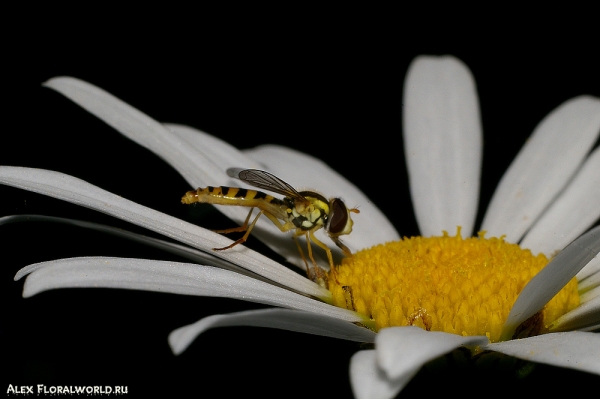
[{"x": 265, "y": 180}]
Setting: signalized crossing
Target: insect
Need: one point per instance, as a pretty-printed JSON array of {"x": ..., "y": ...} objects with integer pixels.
[{"x": 302, "y": 211}]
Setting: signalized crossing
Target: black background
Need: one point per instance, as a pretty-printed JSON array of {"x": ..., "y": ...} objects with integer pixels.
[{"x": 330, "y": 86}]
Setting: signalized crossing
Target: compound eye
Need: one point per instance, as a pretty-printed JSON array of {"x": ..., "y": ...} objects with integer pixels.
[{"x": 338, "y": 219}]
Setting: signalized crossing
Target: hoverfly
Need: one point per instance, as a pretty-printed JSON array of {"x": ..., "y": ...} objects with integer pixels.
[{"x": 304, "y": 211}]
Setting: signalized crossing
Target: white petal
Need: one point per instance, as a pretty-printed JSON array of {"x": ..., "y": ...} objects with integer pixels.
[
  {"x": 575, "y": 350},
  {"x": 181, "y": 250},
  {"x": 291, "y": 320},
  {"x": 403, "y": 350},
  {"x": 211, "y": 157},
  {"x": 305, "y": 172},
  {"x": 571, "y": 214},
  {"x": 589, "y": 282},
  {"x": 197, "y": 167},
  {"x": 171, "y": 277},
  {"x": 543, "y": 167},
  {"x": 590, "y": 294},
  {"x": 584, "y": 316},
  {"x": 369, "y": 381},
  {"x": 593, "y": 328},
  {"x": 442, "y": 143},
  {"x": 551, "y": 279},
  {"x": 590, "y": 269},
  {"x": 79, "y": 192}
]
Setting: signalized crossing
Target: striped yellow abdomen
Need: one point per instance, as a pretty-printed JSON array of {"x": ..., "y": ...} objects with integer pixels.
[{"x": 231, "y": 196}]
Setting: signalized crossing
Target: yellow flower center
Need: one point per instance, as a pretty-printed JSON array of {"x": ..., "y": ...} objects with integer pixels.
[{"x": 460, "y": 286}]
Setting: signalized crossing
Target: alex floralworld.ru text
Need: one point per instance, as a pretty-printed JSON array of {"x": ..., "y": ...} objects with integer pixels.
[{"x": 67, "y": 389}]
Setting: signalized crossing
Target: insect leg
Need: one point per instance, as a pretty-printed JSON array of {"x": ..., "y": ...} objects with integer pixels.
[
  {"x": 245, "y": 237},
  {"x": 281, "y": 226},
  {"x": 243, "y": 227},
  {"x": 327, "y": 250},
  {"x": 248, "y": 228},
  {"x": 318, "y": 276},
  {"x": 341, "y": 246},
  {"x": 302, "y": 255},
  {"x": 310, "y": 254},
  {"x": 348, "y": 297}
]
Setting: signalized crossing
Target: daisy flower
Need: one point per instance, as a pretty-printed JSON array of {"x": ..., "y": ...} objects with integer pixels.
[{"x": 387, "y": 294}]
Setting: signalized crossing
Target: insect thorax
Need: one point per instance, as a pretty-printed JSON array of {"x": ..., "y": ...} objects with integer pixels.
[{"x": 308, "y": 216}]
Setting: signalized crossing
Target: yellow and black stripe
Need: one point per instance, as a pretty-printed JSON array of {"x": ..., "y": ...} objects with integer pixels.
[{"x": 231, "y": 196}]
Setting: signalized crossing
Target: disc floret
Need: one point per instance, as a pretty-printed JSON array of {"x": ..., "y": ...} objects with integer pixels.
[{"x": 460, "y": 286}]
